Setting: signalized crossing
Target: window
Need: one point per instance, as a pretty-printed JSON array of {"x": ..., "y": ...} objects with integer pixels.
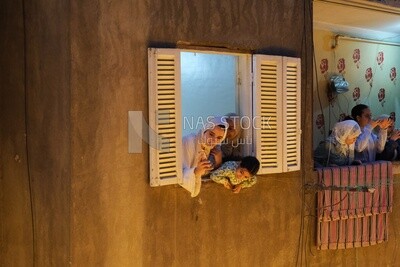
[
  {"x": 276, "y": 93},
  {"x": 268, "y": 92}
]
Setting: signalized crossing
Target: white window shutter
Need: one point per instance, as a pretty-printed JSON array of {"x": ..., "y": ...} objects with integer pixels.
[
  {"x": 267, "y": 109},
  {"x": 291, "y": 113},
  {"x": 165, "y": 133}
]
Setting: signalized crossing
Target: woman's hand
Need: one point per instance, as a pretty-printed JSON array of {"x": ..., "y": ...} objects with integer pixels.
[
  {"x": 395, "y": 135},
  {"x": 203, "y": 167},
  {"x": 217, "y": 153},
  {"x": 384, "y": 124},
  {"x": 227, "y": 185},
  {"x": 237, "y": 189},
  {"x": 375, "y": 123}
]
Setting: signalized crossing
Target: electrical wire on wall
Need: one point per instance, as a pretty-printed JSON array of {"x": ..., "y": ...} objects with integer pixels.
[
  {"x": 366, "y": 99},
  {"x": 333, "y": 47},
  {"x": 336, "y": 95},
  {"x": 317, "y": 87},
  {"x": 309, "y": 190},
  {"x": 346, "y": 111},
  {"x": 30, "y": 182},
  {"x": 302, "y": 238}
]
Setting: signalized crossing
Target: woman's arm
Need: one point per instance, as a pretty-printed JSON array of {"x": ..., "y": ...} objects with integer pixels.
[
  {"x": 221, "y": 175},
  {"x": 248, "y": 183},
  {"x": 216, "y": 154},
  {"x": 194, "y": 165},
  {"x": 362, "y": 140}
]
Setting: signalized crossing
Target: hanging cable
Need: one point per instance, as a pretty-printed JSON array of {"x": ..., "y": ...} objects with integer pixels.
[
  {"x": 317, "y": 89},
  {"x": 307, "y": 17},
  {"x": 31, "y": 197}
]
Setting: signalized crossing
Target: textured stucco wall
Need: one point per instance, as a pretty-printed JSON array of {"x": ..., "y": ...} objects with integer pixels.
[
  {"x": 35, "y": 133},
  {"x": 118, "y": 220},
  {"x": 81, "y": 66},
  {"x": 15, "y": 216}
]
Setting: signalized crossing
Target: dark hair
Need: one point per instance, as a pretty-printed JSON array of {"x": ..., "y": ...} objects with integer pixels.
[
  {"x": 348, "y": 118},
  {"x": 251, "y": 164},
  {"x": 357, "y": 110}
]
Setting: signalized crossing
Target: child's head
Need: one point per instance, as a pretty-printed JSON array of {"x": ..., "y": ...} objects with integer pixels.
[{"x": 248, "y": 167}]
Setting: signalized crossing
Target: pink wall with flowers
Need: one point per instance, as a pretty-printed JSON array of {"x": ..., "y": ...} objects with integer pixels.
[{"x": 371, "y": 70}]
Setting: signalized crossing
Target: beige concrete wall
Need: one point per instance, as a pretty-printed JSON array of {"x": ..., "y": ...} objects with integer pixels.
[
  {"x": 118, "y": 219},
  {"x": 35, "y": 133},
  {"x": 15, "y": 209},
  {"x": 82, "y": 65}
]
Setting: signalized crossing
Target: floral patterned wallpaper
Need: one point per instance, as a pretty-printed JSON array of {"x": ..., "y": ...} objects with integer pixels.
[{"x": 369, "y": 68}]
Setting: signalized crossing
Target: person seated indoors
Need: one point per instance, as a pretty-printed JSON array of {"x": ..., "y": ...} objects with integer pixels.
[
  {"x": 368, "y": 144},
  {"x": 392, "y": 147},
  {"x": 235, "y": 175},
  {"x": 338, "y": 148},
  {"x": 197, "y": 149},
  {"x": 231, "y": 147}
]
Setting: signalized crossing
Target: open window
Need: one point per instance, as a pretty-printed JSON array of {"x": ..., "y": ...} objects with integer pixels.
[{"x": 265, "y": 92}]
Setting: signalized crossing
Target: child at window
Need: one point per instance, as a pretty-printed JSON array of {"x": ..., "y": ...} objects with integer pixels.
[{"x": 235, "y": 175}]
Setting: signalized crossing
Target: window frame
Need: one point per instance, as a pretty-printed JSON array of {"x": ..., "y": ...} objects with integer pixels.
[{"x": 249, "y": 77}]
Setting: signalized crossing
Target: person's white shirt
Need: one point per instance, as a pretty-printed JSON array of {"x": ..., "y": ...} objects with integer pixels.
[{"x": 368, "y": 144}]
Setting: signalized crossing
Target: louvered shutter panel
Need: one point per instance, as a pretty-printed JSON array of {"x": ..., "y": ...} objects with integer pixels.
[
  {"x": 165, "y": 117},
  {"x": 267, "y": 99},
  {"x": 291, "y": 113}
]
